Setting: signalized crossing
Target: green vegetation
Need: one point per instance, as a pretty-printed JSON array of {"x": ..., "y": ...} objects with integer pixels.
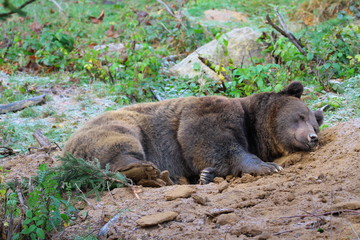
[
  {"x": 58, "y": 46},
  {"x": 66, "y": 53},
  {"x": 39, "y": 207},
  {"x": 58, "y": 43},
  {"x": 35, "y": 207}
]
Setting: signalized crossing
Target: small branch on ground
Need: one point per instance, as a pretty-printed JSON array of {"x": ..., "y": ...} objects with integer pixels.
[
  {"x": 355, "y": 212},
  {"x": 84, "y": 197},
  {"x": 44, "y": 142},
  {"x": 58, "y": 6},
  {"x": 19, "y": 105},
  {"x": 41, "y": 139},
  {"x": 155, "y": 96},
  {"x": 286, "y": 33},
  {"x": 221, "y": 72},
  {"x": 6, "y": 151},
  {"x": 171, "y": 12},
  {"x": 21, "y": 198},
  {"x": 14, "y": 9},
  {"x": 104, "y": 230},
  {"x": 167, "y": 8}
]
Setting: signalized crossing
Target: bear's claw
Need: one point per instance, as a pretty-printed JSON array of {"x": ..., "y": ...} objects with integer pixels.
[
  {"x": 207, "y": 175},
  {"x": 139, "y": 171},
  {"x": 265, "y": 168}
]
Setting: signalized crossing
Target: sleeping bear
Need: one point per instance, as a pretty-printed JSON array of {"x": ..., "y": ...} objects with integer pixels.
[{"x": 199, "y": 137}]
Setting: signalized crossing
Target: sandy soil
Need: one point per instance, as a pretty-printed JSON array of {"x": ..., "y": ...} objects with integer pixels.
[{"x": 316, "y": 196}]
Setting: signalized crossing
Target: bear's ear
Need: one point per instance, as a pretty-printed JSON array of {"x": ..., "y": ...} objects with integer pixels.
[
  {"x": 293, "y": 89},
  {"x": 319, "y": 115}
]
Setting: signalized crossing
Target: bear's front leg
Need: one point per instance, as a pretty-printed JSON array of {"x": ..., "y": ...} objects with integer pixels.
[
  {"x": 240, "y": 163},
  {"x": 249, "y": 163}
]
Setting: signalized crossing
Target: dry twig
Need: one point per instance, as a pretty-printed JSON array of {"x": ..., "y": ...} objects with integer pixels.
[
  {"x": 16, "y": 106},
  {"x": 355, "y": 212},
  {"x": 5, "y": 15},
  {"x": 7, "y": 151},
  {"x": 286, "y": 33}
]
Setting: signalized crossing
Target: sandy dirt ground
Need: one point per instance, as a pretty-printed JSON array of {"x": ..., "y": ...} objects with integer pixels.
[{"x": 316, "y": 196}]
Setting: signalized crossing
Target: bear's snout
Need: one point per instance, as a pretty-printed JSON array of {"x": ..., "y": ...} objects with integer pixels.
[{"x": 313, "y": 138}]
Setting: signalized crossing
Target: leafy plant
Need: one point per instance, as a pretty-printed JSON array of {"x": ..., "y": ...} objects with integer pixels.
[
  {"x": 332, "y": 52},
  {"x": 77, "y": 173},
  {"x": 40, "y": 207},
  {"x": 38, "y": 202}
]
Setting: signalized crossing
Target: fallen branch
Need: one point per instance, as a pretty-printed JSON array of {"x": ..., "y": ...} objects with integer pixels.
[
  {"x": 23, "y": 205},
  {"x": 44, "y": 142},
  {"x": 221, "y": 72},
  {"x": 325, "y": 213},
  {"x": 19, "y": 105},
  {"x": 286, "y": 33},
  {"x": 171, "y": 12},
  {"x": 41, "y": 139},
  {"x": 104, "y": 230},
  {"x": 14, "y": 9},
  {"x": 6, "y": 151}
]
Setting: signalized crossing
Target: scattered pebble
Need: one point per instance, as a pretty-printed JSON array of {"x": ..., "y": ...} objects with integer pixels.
[
  {"x": 217, "y": 211},
  {"x": 218, "y": 180},
  {"x": 229, "y": 218},
  {"x": 222, "y": 186},
  {"x": 157, "y": 218},
  {"x": 352, "y": 205},
  {"x": 290, "y": 197},
  {"x": 249, "y": 231},
  {"x": 181, "y": 191},
  {"x": 200, "y": 199}
]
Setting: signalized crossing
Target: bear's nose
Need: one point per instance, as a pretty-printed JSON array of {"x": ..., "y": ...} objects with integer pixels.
[{"x": 312, "y": 137}]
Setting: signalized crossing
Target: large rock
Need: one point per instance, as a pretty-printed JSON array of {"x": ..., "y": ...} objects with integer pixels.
[{"x": 241, "y": 47}]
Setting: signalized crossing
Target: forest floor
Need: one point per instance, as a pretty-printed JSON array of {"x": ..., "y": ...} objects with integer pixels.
[{"x": 316, "y": 196}]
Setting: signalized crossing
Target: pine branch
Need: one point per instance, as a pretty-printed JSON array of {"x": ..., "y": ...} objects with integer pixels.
[{"x": 88, "y": 175}]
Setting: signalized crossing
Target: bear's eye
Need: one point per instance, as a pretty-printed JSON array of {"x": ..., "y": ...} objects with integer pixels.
[
  {"x": 317, "y": 130},
  {"x": 302, "y": 117}
]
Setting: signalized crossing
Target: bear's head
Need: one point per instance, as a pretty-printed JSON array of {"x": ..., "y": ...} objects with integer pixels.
[{"x": 295, "y": 125}]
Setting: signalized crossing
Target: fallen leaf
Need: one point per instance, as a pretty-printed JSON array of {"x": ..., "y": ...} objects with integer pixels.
[
  {"x": 111, "y": 33},
  {"x": 36, "y": 27},
  {"x": 99, "y": 19}
]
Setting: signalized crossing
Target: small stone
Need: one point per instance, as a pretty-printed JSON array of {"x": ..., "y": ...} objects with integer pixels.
[
  {"x": 264, "y": 236},
  {"x": 229, "y": 177},
  {"x": 352, "y": 205},
  {"x": 222, "y": 186},
  {"x": 249, "y": 231},
  {"x": 290, "y": 197},
  {"x": 246, "y": 178},
  {"x": 218, "y": 180},
  {"x": 218, "y": 211},
  {"x": 83, "y": 215},
  {"x": 183, "y": 181},
  {"x": 229, "y": 218},
  {"x": 181, "y": 191},
  {"x": 200, "y": 199},
  {"x": 247, "y": 204},
  {"x": 157, "y": 218}
]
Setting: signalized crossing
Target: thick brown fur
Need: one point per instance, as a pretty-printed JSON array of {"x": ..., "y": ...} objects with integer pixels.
[{"x": 187, "y": 135}]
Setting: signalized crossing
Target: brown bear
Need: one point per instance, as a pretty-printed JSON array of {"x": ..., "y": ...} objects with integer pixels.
[{"x": 208, "y": 136}]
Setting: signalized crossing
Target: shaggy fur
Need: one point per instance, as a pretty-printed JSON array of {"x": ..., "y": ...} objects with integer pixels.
[{"x": 187, "y": 135}]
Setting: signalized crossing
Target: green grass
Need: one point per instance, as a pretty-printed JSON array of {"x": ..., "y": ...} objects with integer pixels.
[
  {"x": 340, "y": 107},
  {"x": 81, "y": 95},
  {"x": 255, "y": 10}
]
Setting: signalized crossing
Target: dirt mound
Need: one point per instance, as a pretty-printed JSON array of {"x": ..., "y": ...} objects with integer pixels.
[{"x": 316, "y": 196}]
